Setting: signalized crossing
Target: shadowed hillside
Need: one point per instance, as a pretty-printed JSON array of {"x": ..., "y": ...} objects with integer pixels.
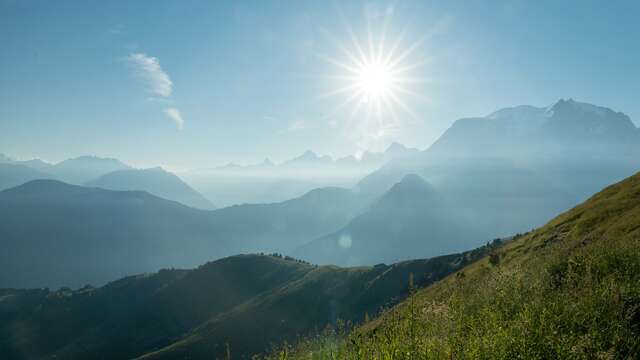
[{"x": 248, "y": 302}]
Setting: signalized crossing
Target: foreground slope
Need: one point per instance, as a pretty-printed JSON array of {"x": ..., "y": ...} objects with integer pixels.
[
  {"x": 247, "y": 302},
  {"x": 570, "y": 289}
]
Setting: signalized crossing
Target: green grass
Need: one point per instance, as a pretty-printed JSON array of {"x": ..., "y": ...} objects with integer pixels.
[{"x": 570, "y": 290}]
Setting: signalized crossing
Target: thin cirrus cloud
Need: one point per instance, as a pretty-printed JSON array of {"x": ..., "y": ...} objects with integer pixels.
[
  {"x": 148, "y": 69},
  {"x": 174, "y": 114},
  {"x": 157, "y": 80}
]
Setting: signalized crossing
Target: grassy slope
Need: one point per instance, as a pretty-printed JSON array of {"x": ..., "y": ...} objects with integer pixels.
[
  {"x": 570, "y": 289},
  {"x": 320, "y": 297},
  {"x": 246, "y": 301}
]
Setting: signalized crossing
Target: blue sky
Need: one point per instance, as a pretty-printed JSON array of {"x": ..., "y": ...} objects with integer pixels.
[{"x": 202, "y": 83}]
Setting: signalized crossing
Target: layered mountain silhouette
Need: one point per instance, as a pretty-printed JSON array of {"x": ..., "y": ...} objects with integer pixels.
[
  {"x": 56, "y": 234},
  {"x": 242, "y": 303},
  {"x": 111, "y": 174},
  {"x": 514, "y": 169},
  {"x": 12, "y": 174},
  {"x": 85, "y": 168},
  {"x": 269, "y": 182},
  {"x": 411, "y": 220},
  {"x": 155, "y": 181},
  {"x": 309, "y": 158},
  {"x": 566, "y": 138},
  {"x": 484, "y": 178}
]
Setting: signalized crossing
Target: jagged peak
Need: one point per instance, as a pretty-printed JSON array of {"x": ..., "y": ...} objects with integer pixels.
[{"x": 571, "y": 104}]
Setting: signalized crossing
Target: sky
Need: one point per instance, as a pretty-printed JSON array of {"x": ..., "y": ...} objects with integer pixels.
[{"x": 203, "y": 83}]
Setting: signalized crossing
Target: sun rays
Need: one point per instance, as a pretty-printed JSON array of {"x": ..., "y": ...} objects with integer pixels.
[{"x": 376, "y": 77}]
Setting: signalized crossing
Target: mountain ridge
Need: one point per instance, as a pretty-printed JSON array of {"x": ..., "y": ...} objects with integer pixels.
[
  {"x": 175, "y": 312},
  {"x": 156, "y": 181},
  {"x": 80, "y": 230}
]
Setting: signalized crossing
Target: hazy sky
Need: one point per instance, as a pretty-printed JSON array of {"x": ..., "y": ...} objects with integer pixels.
[{"x": 163, "y": 83}]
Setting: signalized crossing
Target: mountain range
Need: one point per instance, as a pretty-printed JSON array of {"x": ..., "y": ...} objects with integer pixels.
[
  {"x": 314, "y": 162},
  {"x": 582, "y": 262},
  {"x": 559, "y": 142},
  {"x": 105, "y": 173},
  {"x": 73, "y": 235},
  {"x": 486, "y": 178},
  {"x": 503, "y": 174},
  {"x": 270, "y": 182},
  {"x": 455, "y": 195}
]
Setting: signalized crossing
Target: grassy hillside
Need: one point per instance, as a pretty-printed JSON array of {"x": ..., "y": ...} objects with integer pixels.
[
  {"x": 569, "y": 290},
  {"x": 246, "y": 302}
]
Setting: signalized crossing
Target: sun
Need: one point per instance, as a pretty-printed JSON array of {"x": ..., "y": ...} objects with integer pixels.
[
  {"x": 376, "y": 77},
  {"x": 374, "y": 81}
]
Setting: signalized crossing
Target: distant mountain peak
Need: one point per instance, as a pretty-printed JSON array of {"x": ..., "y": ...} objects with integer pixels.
[
  {"x": 94, "y": 158},
  {"x": 412, "y": 185},
  {"x": 592, "y": 119},
  {"x": 414, "y": 180},
  {"x": 41, "y": 185},
  {"x": 577, "y": 106},
  {"x": 308, "y": 155},
  {"x": 395, "y": 147},
  {"x": 155, "y": 181}
]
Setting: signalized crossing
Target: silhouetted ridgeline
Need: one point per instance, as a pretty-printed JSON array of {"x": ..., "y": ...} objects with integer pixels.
[
  {"x": 57, "y": 234},
  {"x": 247, "y": 301}
]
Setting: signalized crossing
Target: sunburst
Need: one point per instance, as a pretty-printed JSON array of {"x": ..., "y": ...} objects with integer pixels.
[{"x": 376, "y": 77}]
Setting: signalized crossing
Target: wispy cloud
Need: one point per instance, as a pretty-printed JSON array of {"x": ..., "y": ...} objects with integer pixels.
[
  {"x": 158, "y": 81},
  {"x": 174, "y": 114},
  {"x": 148, "y": 68}
]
